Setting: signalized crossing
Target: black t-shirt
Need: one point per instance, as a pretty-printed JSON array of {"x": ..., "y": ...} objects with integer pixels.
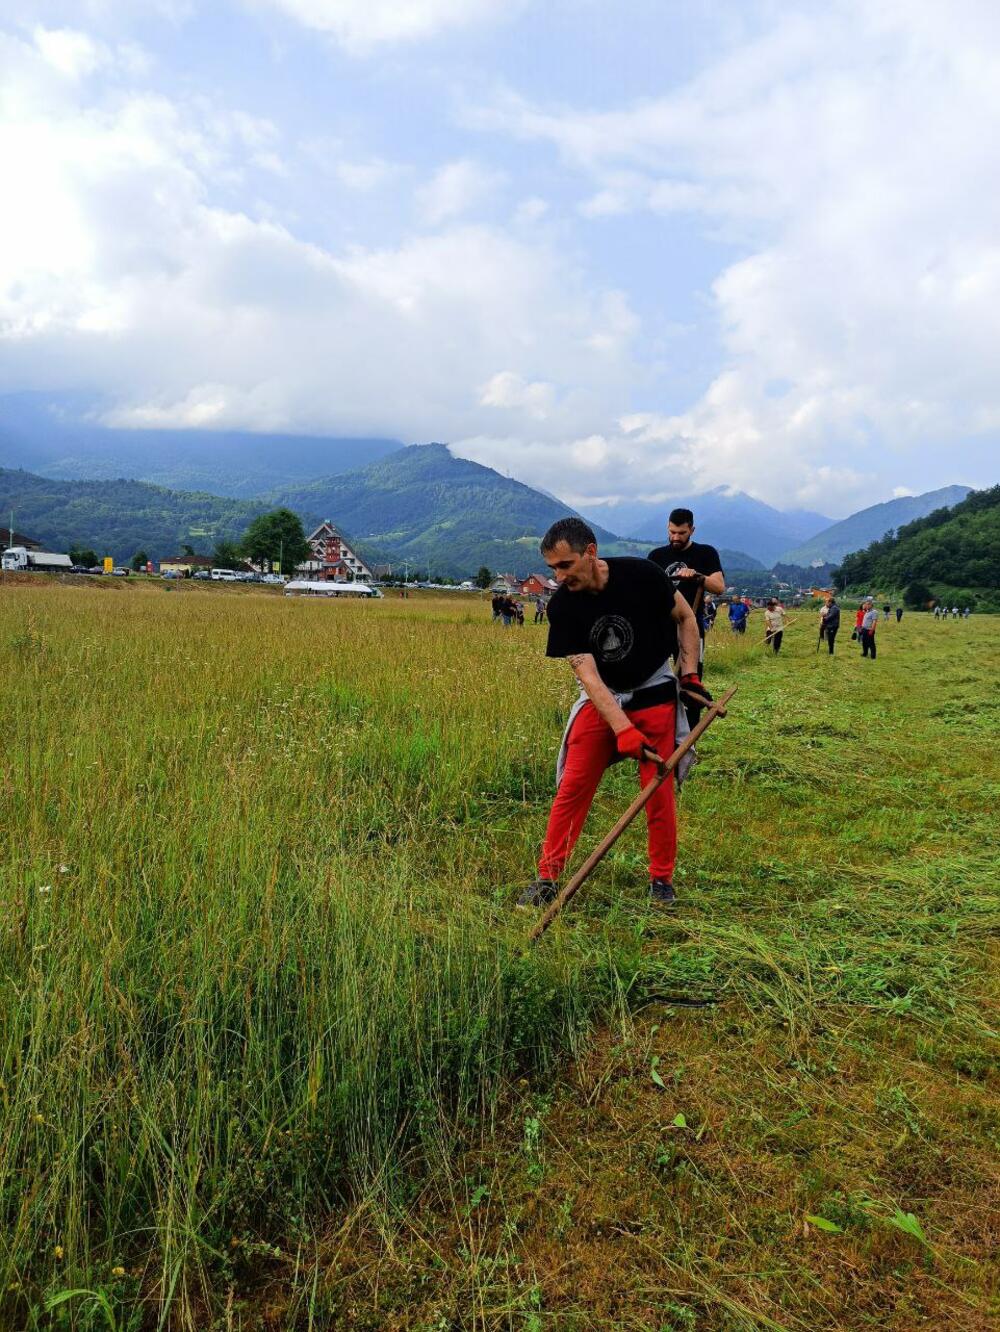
[
  {"x": 701, "y": 558},
  {"x": 626, "y": 626}
]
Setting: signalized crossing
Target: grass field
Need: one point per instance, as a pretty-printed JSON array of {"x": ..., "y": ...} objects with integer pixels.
[{"x": 274, "y": 1054}]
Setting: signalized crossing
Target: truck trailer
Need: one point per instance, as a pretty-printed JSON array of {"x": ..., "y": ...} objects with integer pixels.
[{"x": 16, "y": 559}]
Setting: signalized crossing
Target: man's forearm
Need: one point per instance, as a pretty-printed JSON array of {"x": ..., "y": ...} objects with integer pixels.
[
  {"x": 585, "y": 670},
  {"x": 687, "y": 638},
  {"x": 715, "y": 583}
]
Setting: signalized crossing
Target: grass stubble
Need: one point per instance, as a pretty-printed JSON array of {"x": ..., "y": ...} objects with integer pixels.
[{"x": 274, "y": 1054}]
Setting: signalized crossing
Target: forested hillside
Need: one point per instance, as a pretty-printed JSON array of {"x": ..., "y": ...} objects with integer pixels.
[
  {"x": 118, "y": 518},
  {"x": 949, "y": 550}
]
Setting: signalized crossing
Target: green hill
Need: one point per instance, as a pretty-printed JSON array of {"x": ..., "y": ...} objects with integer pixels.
[
  {"x": 870, "y": 524},
  {"x": 438, "y": 512},
  {"x": 953, "y": 552},
  {"x": 120, "y": 517}
]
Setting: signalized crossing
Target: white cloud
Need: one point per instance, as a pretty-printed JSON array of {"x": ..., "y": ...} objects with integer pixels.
[
  {"x": 849, "y": 152},
  {"x": 122, "y": 271},
  {"x": 455, "y": 189},
  {"x": 507, "y": 389},
  {"x": 71, "y": 53},
  {"x": 361, "y": 26}
]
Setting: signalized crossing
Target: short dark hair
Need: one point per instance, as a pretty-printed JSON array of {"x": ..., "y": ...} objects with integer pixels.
[
  {"x": 574, "y": 531},
  {"x": 681, "y": 518}
]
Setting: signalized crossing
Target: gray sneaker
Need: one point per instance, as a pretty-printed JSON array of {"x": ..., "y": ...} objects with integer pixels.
[
  {"x": 539, "y": 893},
  {"x": 661, "y": 892}
]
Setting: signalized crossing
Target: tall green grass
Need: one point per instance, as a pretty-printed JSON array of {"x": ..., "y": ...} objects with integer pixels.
[{"x": 256, "y": 950}]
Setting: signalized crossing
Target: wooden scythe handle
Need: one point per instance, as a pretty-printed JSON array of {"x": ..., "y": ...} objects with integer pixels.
[{"x": 716, "y": 709}]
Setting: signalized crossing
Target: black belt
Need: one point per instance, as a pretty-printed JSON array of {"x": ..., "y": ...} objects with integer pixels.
[{"x": 649, "y": 698}]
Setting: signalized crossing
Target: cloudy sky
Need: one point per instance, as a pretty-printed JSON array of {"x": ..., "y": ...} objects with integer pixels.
[{"x": 616, "y": 248}]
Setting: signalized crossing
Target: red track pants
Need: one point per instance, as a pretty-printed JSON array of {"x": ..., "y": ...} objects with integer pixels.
[{"x": 590, "y": 748}]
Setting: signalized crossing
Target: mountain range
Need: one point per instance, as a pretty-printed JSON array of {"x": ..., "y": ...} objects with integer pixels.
[
  {"x": 871, "y": 524},
  {"x": 82, "y": 483},
  {"x": 420, "y": 506}
]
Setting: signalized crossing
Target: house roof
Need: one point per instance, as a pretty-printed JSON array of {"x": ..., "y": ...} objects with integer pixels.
[
  {"x": 196, "y": 561},
  {"x": 9, "y": 538}
]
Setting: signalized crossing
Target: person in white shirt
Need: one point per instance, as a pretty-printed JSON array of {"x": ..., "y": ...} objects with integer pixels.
[{"x": 774, "y": 624}]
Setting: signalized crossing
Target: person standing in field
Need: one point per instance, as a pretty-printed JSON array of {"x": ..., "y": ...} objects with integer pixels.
[
  {"x": 496, "y": 606},
  {"x": 885, "y": 611},
  {"x": 619, "y": 623},
  {"x": 774, "y": 625},
  {"x": 695, "y": 570},
  {"x": 899, "y": 614},
  {"x": 739, "y": 613},
  {"x": 539, "y": 610},
  {"x": 829, "y": 621},
  {"x": 869, "y": 623}
]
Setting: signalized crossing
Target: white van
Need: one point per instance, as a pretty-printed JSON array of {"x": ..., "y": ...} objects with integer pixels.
[
  {"x": 225, "y": 576},
  {"x": 304, "y": 587}
]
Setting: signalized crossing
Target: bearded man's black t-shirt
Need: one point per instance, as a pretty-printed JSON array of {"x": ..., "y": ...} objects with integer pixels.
[
  {"x": 626, "y": 627},
  {"x": 698, "y": 556}
]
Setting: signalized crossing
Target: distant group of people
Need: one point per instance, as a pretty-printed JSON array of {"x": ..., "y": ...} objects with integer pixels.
[
  {"x": 508, "y": 610},
  {"x": 942, "y": 612}
]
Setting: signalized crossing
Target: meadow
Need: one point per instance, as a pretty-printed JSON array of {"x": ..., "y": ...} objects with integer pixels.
[{"x": 274, "y": 1054}]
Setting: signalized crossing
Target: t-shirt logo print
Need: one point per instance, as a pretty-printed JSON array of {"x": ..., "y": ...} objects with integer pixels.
[{"x": 611, "y": 638}]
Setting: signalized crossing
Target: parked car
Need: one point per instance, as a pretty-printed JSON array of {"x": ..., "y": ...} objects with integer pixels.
[
  {"x": 224, "y": 576},
  {"x": 119, "y": 571},
  {"x": 201, "y": 573}
]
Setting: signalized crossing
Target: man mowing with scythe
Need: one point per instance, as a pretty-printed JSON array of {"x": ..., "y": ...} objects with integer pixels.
[{"x": 607, "y": 619}]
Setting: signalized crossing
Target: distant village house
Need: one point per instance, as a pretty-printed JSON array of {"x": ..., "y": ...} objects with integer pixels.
[
  {"x": 538, "y": 585},
  {"x": 333, "y": 559},
  {"x": 185, "y": 564}
]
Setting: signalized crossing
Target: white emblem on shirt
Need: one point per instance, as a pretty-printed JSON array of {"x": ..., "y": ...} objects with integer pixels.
[{"x": 612, "y": 638}]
